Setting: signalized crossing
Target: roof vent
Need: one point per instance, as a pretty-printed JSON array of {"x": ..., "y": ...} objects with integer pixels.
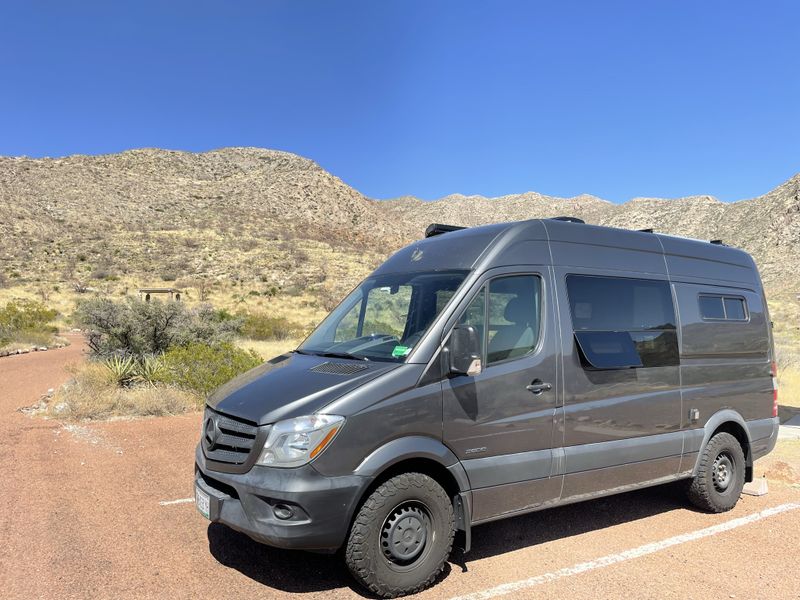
[
  {"x": 718, "y": 243},
  {"x": 568, "y": 219},
  {"x": 438, "y": 229}
]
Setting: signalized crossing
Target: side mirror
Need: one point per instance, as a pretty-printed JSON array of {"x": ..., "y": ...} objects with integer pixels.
[{"x": 465, "y": 351}]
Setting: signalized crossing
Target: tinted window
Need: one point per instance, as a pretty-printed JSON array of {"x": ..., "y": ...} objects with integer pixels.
[
  {"x": 608, "y": 349},
  {"x": 734, "y": 309},
  {"x": 514, "y": 308},
  {"x": 722, "y": 308},
  {"x": 711, "y": 307},
  {"x": 616, "y": 304},
  {"x": 623, "y": 323}
]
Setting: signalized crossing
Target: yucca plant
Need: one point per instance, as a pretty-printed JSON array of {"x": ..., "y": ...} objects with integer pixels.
[
  {"x": 151, "y": 368},
  {"x": 122, "y": 368}
]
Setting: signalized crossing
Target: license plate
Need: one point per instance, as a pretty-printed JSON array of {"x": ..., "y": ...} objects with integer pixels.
[{"x": 202, "y": 502}]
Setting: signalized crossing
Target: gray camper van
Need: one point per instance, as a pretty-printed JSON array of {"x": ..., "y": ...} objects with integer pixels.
[{"x": 485, "y": 372}]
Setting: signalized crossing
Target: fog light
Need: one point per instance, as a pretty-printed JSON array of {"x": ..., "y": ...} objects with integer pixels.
[{"x": 283, "y": 511}]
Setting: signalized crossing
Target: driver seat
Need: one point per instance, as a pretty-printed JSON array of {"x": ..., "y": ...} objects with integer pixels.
[{"x": 516, "y": 339}]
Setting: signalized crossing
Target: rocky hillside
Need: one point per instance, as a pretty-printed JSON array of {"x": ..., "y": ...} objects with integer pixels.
[
  {"x": 265, "y": 219},
  {"x": 768, "y": 226}
]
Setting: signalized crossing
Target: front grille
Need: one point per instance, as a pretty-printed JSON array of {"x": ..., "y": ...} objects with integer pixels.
[
  {"x": 226, "y": 439},
  {"x": 334, "y": 368}
]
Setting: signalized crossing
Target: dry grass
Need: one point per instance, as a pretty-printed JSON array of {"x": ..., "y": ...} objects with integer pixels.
[
  {"x": 789, "y": 387},
  {"x": 30, "y": 339},
  {"x": 93, "y": 394},
  {"x": 269, "y": 349}
]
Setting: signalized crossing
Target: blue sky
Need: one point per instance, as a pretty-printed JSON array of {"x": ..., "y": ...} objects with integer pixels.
[{"x": 617, "y": 99}]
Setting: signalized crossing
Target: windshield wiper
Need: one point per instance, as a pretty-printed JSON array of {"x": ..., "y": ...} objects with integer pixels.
[
  {"x": 332, "y": 354},
  {"x": 343, "y": 355}
]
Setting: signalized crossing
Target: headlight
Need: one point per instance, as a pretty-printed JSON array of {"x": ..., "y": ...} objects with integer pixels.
[{"x": 295, "y": 442}]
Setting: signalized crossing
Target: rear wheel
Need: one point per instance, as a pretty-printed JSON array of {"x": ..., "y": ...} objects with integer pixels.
[
  {"x": 720, "y": 475},
  {"x": 401, "y": 536}
]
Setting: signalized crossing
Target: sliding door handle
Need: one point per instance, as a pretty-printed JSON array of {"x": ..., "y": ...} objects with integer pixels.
[{"x": 537, "y": 386}]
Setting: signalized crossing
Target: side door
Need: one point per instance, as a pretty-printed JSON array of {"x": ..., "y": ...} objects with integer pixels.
[
  {"x": 500, "y": 422},
  {"x": 622, "y": 389}
]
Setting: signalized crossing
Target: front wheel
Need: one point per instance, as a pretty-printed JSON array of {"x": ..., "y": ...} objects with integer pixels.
[
  {"x": 401, "y": 536},
  {"x": 720, "y": 476}
]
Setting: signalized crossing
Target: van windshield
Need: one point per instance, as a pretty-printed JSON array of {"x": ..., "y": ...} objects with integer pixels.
[{"x": 384, "y": 317}]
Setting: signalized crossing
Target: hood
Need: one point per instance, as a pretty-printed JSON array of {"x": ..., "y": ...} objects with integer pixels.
[{"x": 293, "y": 385}]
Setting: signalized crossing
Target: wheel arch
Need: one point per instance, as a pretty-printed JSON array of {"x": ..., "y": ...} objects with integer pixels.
[
  {"x": 420, "y": 454},
  {"x": 427, "y": 455},
  {"x": 728, "y": 421}
]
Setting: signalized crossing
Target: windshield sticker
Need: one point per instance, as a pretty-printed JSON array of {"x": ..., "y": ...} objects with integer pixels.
[{"x": 400, "y": 351}]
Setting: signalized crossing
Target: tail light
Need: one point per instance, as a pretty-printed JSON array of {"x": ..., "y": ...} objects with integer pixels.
[{"x": 774, "y": 375}]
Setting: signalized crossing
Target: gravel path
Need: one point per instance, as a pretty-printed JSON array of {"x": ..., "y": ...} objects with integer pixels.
[{"x": 82, "y": 519}]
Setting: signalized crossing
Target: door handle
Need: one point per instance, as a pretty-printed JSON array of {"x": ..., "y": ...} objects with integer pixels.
[{"x": 537, "y": 386}]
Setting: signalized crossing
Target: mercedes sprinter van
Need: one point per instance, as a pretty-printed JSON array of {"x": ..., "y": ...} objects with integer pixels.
[{"x": 485, "y": 372}]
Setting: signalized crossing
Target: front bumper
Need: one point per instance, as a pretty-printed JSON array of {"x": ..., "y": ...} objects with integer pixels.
[{"x": 321, "y": 507}]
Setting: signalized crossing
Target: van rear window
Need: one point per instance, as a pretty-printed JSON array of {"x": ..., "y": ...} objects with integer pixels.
[
  {"x": 722, "y": 308},
  {"x": 622, "y": 323}
]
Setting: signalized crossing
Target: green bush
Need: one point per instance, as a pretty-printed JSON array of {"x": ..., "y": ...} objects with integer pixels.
[
  {"x": 137, "y": 328},
  {"x": 259, "y": 326},
  {"x": 24, "y": 319},
  {"x": 202, "y": 368}
]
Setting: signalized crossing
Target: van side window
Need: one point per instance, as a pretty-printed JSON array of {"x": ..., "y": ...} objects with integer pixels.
[
  {"x": 623, "y": 323},
  {"x": 722, "y": 308},
  {"x": 514, "y": 316}
]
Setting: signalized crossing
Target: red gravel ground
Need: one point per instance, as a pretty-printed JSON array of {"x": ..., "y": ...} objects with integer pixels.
[{"x": 81, "y": 519}]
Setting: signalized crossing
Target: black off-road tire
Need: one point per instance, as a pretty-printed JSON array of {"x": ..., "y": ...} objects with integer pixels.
[
  {"x": 720, "y": 476},
  {"x": 414, "y": 512}
]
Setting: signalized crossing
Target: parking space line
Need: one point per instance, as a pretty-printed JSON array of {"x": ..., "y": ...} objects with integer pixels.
[
  {"x": 611, "y": 559},
  {"x": 178, "y": 501}
]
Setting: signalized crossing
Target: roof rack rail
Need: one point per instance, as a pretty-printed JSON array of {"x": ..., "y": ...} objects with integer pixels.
[
  {"x": 646, "y": 230},
  {"x": 717, "y": 242},
  {"x": 438, "y": 229},
  {"x": 568, "y": 219}
]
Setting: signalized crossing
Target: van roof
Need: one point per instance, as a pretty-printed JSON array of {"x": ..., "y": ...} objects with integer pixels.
[{"x": 564, "y": 243}]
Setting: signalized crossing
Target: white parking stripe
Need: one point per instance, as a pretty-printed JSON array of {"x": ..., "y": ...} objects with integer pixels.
[
  {"x": 179, "y": 501},
  {"x": 611, "y": 559}
]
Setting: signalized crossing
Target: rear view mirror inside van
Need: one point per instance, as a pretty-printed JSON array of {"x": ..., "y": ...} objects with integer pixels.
[{"x": 465, "y": 351}]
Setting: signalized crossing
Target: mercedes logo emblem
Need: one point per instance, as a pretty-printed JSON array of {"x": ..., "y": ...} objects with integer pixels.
[{"x": 211, "y": 432}]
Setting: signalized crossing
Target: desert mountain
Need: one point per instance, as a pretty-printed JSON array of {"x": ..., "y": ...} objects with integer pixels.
[{"x": 263, "y": 218}]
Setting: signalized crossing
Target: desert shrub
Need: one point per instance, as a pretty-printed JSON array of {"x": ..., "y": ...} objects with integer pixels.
[
  {"x": 28, "y": 321},
  {"x": 121, "y": 369},
  {"x": 127, "y": 370},
  {"x": 93, "y": 394},
  {"x": 151, "y": 369},
  {"x": 260, "y": 326},
  {"x": 202, "y": 368},
  {"x": 140, "y": 328}
]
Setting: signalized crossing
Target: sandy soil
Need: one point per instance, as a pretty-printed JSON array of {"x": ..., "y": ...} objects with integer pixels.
[{"x": 82, "y": 519}]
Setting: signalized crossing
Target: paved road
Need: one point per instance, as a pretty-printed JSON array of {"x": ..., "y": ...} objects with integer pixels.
[{"x": 82, "y": 519}]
